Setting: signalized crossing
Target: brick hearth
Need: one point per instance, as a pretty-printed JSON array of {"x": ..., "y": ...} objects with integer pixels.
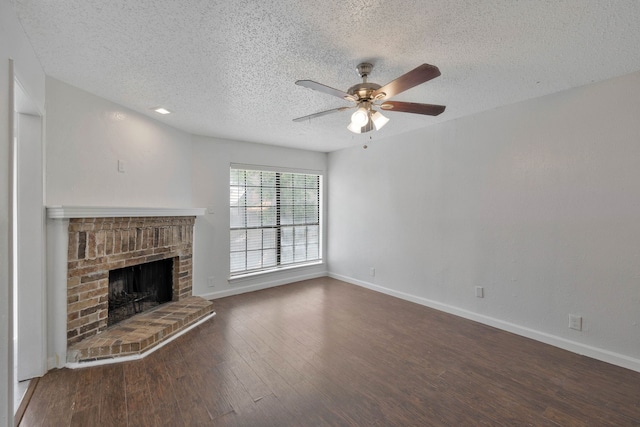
[{"x": 140, "y": 333}]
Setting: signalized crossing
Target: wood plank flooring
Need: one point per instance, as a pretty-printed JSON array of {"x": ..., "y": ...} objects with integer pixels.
[{"x": 326, "y": 353}]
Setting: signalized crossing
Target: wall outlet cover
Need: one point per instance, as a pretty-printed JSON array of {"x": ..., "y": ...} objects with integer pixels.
[{"x": 575, "y": 322}]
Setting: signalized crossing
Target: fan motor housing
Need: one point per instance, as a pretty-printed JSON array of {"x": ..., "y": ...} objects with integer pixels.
[{"x": 363, "y": 90}]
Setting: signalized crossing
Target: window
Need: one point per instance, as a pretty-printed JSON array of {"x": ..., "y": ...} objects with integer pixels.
[{"x": 274, "y": 219}]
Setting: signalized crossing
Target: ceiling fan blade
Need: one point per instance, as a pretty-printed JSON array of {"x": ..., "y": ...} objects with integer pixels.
[
  {"x": 413, "y": 107},
  {"x": 421, "y": 74},
  {"x": 321, "y": 113},
  {"x": 326, "y": 89}
]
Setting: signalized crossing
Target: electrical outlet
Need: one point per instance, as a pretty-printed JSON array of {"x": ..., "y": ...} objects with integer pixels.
[
  {"x": 575, "y": 322},
  {"x": 479, "y": 292},
  {"x": 211, "y": 282},
  {"x": 372, "y": 272}
]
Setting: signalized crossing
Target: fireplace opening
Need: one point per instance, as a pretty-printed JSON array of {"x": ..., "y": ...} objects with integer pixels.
[{"x": 138, "y": 288}]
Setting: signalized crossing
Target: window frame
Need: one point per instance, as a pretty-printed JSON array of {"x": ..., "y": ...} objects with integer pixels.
[{"x": 290, "y": 226}]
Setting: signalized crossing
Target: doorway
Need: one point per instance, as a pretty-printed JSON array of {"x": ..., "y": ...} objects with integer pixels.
[{"x": 28, "y": 231}]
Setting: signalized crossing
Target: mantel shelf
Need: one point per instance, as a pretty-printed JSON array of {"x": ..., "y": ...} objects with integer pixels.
[{"x": 64, "y": 212}]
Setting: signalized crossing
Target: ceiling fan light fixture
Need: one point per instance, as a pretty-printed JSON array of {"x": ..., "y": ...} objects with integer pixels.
[
  {"x": 368, "y": 95},
  {"x": 367, "y": 127},
  {"x": 354, "y": 128},
  {"x": 360, "y": 117},
  {"x": 379, "y": 120}
]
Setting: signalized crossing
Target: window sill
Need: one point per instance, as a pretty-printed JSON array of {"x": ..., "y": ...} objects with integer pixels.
[{"x": 243, "y": 277}]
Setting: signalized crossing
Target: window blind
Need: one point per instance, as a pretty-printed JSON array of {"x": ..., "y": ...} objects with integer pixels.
[{"x": 274, "y": 219}]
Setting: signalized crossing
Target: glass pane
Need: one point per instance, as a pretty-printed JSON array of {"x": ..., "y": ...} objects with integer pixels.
[
  {"x": 254, "y": 239},
  {"x": 269, "y": 216},
  {"x": 300, "y": 253},
  {"x": 299, "y": 215},
  {"x": 299, "y": 196},
  {"x": 238, "y": 261},
  {"x": 300, "y": 236},
  {"x": 254, "y": 217},
  {"x": 286, "y": 255},
  {"x": 236, "y": 196},
  {"x": 311, "y": 214},
  {"x": 286, "y": 235},
  {"x": 238, "y": 240},
  {"x": 286, "y": 180},
  {"x": 268, "y": 179},
  {"x": 253, "y": 178},
  {"x": 254, "y": 260},
  {"x": 268, "y": 197},
  {"x": 269, "y": 238},
  {"x": 286, "y": 215},
  {"x": 236, "y": 216},
  {"x": 269, "y": 258},
  {"x": 312, "y": 181},
  {"x": 311, "y": 197},
  {"x": 237, "y": 177},
  {"x": 312, "y": 234},
  {"x": 286, "y": 196},
  {"x": 312, "y": 252},
  {"x": 254, "y": 198},
  {"x": 299, "y": 180}
]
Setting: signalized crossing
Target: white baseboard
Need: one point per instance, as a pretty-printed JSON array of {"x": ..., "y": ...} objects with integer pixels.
[
  {"x": 573, "y": 346},
  {"x": 52, "y": 363},
  {"x": 239, "y": 289}
]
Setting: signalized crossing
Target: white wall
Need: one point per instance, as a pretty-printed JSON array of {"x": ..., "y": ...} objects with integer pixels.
[
  {"x": 211, "y": 160},
  {"x": 537, "y": 202},
  {"x": 13, "y": 45},
  {"x": 87, "y": 135}
]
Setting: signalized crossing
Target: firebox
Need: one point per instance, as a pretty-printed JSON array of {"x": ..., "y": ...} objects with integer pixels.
[{"x": 139, "y": 288}]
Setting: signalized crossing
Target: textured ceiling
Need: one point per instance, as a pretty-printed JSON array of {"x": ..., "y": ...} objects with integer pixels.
[{"x": 227, "y": 68}]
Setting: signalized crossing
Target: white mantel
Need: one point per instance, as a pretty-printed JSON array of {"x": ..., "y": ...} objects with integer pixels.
[{"x": 65, "y": 212}]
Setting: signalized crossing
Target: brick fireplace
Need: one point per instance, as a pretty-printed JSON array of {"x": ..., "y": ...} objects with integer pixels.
[
  {"x": 100, "y": 240},
  {"x": 98, "y": 245}
]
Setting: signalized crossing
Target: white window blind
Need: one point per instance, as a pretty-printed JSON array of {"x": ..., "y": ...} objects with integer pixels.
[{"x": 274, "y": 219}]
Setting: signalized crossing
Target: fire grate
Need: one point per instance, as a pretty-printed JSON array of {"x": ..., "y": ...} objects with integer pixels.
[{"x": 139, "y": 288}]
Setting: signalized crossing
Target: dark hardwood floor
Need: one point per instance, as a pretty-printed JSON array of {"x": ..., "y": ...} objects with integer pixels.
[{"x": 326, "y": 353}]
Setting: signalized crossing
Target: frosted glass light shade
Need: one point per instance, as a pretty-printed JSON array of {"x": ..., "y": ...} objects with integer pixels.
[
  {"x": 360, "y": 117},
  {"x": 379, "y": 120},
  {"x": 354, "y": 128},
  {"x": 361, "y": 129}
]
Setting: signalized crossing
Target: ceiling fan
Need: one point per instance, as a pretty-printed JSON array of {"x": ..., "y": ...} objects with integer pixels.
[{"x": 367, "y": 96}]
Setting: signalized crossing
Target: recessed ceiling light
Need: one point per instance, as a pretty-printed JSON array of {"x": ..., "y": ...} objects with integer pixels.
[
  {"x": 118, "y": 115},
  {"x": 161, "y": 110}
]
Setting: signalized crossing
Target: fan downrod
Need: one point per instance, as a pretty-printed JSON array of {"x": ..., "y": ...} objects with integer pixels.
[{"x": 362, "y": 91}]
